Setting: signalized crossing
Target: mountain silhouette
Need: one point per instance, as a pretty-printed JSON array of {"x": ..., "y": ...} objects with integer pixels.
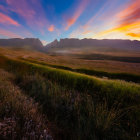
[
  {"x": 72, "y": 45},
  {"x": 27, "y": 43},
  {"x": 93, "y": 44}
]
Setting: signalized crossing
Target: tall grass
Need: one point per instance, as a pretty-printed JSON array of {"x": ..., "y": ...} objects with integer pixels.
[
  {"x": 82, "y": 83},
  {"x": 83, "y": 107},
  {"x": 20, "y": 116},
  {"x": 76, "y": 115}
]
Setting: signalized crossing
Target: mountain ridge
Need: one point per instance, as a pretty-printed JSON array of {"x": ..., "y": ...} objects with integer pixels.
[
  {"x": 93, "y": 44},
  {"x": 72, "y": 44},
  {"x": 28, "y": 43}
]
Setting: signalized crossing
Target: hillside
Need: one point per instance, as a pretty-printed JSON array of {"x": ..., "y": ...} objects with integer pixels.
[{"x": 77, "y": 106}]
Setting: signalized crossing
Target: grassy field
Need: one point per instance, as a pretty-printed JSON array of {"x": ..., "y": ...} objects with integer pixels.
[
  {"x": 110, "y": 57},
  {"x": 77, "y": 105},
  {"x": 123, "y": 76},
  {"x": 76, "y": 63}
]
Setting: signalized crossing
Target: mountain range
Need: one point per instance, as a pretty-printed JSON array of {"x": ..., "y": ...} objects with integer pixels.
[
  {"x": 26, "y": 43},
  {"x": 87, "y": 45},
  {"x": 72, "y": 45}
]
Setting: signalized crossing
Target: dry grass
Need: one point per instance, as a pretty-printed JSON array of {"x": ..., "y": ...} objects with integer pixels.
[
  {"x": 20, "y": 116},
  {"x": 73, "y": 62}
]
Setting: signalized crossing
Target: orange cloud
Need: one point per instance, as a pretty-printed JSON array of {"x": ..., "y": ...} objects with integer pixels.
[
  {"x": 128, "y": 21},
  {"x": 121, "y": 28},
  {"x": 134, "y": 34},
  {"x": 9, "y": 34},
  {"x": 80, "y": 9},
  {"x": 4, "y": 19},
  {"x": 51, "y": 28}
]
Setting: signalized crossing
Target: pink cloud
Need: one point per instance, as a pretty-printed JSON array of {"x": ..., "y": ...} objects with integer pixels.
[
  {"x": 4, "y": 19},
  {"x": 51, "y": 28},
  {"x": 80, "y": 9},
  {"x": 131, "y": 13},
  {"x": 9, "y": 34},
  {"x": 31, "y": 11},
  {"x": 22, "y": 8}
]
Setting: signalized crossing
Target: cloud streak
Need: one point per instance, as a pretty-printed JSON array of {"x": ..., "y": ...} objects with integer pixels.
[
  {"x": 89, "y": 27},
  {"x": 131, "y": 13},
  {"x": 4, "y": 19},
  {"x": 70, "y": 21},
  {"x": 121, "y": 28},
  {"x": 128, "y": 21},
  {"x": 9, "y": 34},
  {"x": 134, "y": 34},
  {"x": 31, "y": 11}
]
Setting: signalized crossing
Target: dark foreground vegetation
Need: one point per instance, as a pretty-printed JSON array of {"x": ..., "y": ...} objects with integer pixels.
[
  {"x": 20, "y": 115},
  {"x": 79, "y": 106}
]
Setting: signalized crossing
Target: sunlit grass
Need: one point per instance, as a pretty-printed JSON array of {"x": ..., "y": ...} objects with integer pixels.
[{"x": 123, "y": 76}]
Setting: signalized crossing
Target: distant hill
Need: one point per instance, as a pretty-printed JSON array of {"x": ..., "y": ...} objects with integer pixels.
[
  {"x": 18, "y": 43},
  {"x": 88, "y": 45}
]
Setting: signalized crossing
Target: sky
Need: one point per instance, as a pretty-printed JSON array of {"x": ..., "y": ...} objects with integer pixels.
[{"x": 54, "y": 19}]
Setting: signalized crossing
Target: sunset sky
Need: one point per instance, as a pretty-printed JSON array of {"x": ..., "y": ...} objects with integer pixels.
[{"x": 55, "y": 19}]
